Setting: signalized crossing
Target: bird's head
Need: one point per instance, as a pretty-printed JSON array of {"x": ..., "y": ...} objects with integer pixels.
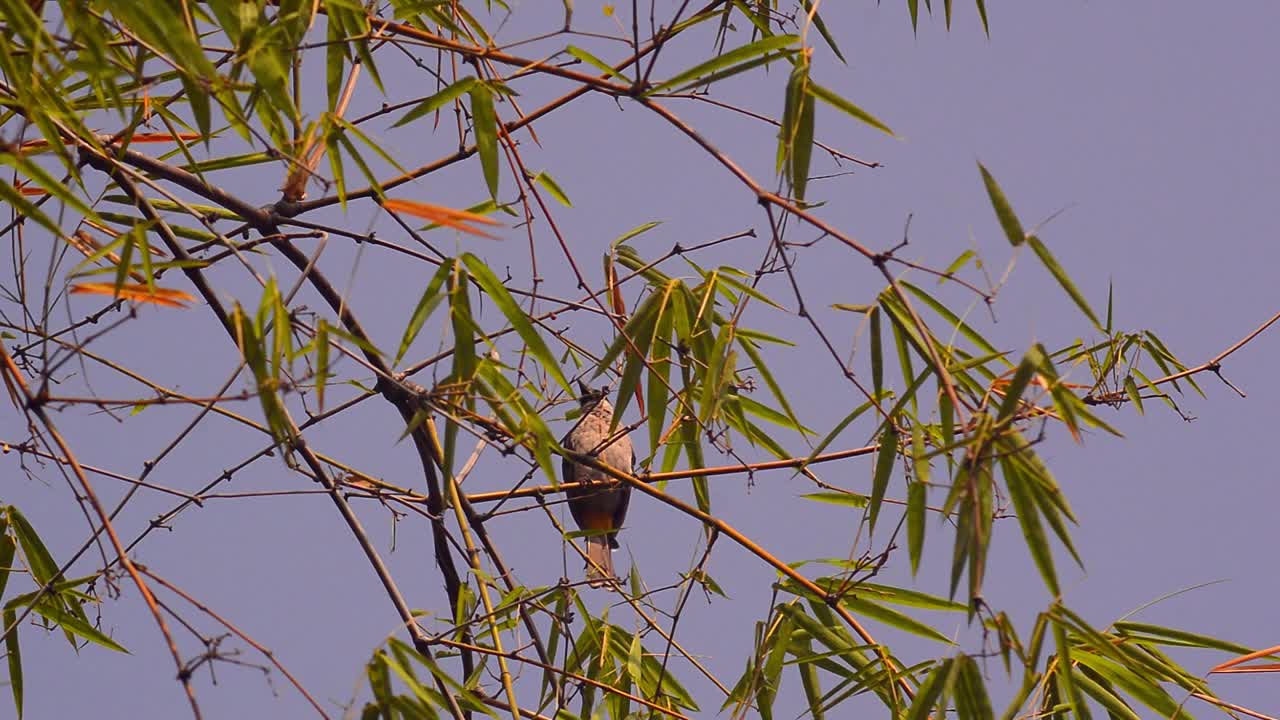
[{"x": 594, "y": 401}]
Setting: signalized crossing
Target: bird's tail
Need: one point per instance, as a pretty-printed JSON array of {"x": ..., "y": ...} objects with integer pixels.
[{"x": 600, "y": 567}]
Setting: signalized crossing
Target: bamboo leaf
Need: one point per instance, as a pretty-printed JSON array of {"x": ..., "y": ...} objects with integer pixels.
[
  {"x": 1117, "y": 709},
  {"x": 14, "y": 656},
  {"x": 884, "y": 469},
  {"x": 1063, "y": 279},
  {"x": 971, "y": 697},
  {"x": 546, "y": 181},
  {"x": 839, "y": 428},
  {"x": 1029, "y": 521},
  {"x": 76, "y": 626},
  {"x": 848, "y": 108},
  {"x": 852, "y": 500},
  {"x": 41, "y": 564},
  {"x": 497, "y": 292},
  {"x": 595, "y": 62},
  {"x": 438, "y": 100},
  {"x": 822, "y": 30},
  {"x": 930, "y": 691},
  {"x": 485, "y": 123},
  {"x": 1021, "y": 378},
  {"x": 917, "y": 495},
  {"x": 729, "y": 61},
  {"x": 1141, "y": 688},
  {"x": 1004, "y": 211}
]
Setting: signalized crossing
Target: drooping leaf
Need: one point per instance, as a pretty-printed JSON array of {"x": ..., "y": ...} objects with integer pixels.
[
  {"x": 883, "y": 470},
  {"x": 497, "y": 292},
  {"x": 1055, "y": 269},
  {"x": 485, "y": 123},
  {"x": 1004, "y": 211}
]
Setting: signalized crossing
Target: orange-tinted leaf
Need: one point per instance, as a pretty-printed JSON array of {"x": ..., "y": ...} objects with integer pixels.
[
  {"x": 164, "y": 137},
  {"x": 449, "y": 217},
  {"x": 1236, "y": 665},
  {"x": 136, "y": 293}
]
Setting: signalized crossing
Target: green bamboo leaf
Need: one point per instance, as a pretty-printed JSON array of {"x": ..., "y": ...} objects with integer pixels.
[
  {"x": 229, "y": 162},
  {"x": 839, "y": 428},
  {"x": 387, "y": 157},
  {"x": 1018, "y": 384},
  {"x": 776, "y": 417},
  {"x": 433, "y": 103},
  {"x": 1135, "y": 395},
  {"x": 1117, "y": 709},
  {"x": 39, "y": 561},
  {"x": 1142, "y": 689},
  {"x": 715, "y": 374},
  {"x": 952, "y": 319},
  {"x": 753, "y": 353},
  {"x": 637, "y": 353},
  {"x": 729, "y": 61},
  {"x": 852, "y": 500},
  {"x": 617, "y": 243},
  {"x": 643, "y": 314},
  {"x": 961, "y": 260},
  {"x": 8, "y": 548},
  {"x": 800, "y": 134},
  {"x": 345, "y": 143},
  {"x": 1020, "y": 490},
  {"x": 1063, "y": 279},
  {"x": 596, "y": 63},
  {"x": 848, "y": 108},
  {"x": 917, "y": 496},
  {"x": 1065, "y": 678},
  {"x": 892, "y": 617},
  {"x": 333, "y": 150},
  {"x": 1004, "y": 211},
  {"x": 322, "y": 360},
  {"x": 485, "y": 123},
  {"x": 1179, "y": 638},
  {"x": 464, "y": 325},
  {"x": 546, "y": 181},
  {"x": 729, "y": 283},
  {"x": 809, "y": 679},
  {"x": 970, "y": 693},
  {"x": 76, "y": 626},
  {"x": 14, "y": 653},
  {"x": 497, "y": 292},
  {"x": 884, "y": 469},
  {"x": 822, "y": 30},
  {"x": 930, "y": 691},
  {"x": 658, "y": 393},
  {"x": 41, "y": 177},
  {"x": 919, "y": 454},
  {"x": 877, "y": 351},
  {"x": 982, "y": 12},
  {"x": 23, "y": 207}
]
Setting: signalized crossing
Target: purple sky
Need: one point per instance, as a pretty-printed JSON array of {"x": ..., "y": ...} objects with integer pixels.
[{"x": 1152, "y": 123}]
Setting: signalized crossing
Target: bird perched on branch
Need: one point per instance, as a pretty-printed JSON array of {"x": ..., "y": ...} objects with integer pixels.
[{"x": 599, "y": 504}]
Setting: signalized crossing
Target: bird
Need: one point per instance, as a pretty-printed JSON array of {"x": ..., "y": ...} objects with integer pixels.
[{"x": 599, "y": 502}]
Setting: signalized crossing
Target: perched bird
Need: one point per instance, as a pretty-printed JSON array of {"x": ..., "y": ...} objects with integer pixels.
[{"x": 600, "y": 505}]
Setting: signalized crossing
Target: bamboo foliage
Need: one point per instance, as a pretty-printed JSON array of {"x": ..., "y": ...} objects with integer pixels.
[{"x": 130, "y": 128}]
